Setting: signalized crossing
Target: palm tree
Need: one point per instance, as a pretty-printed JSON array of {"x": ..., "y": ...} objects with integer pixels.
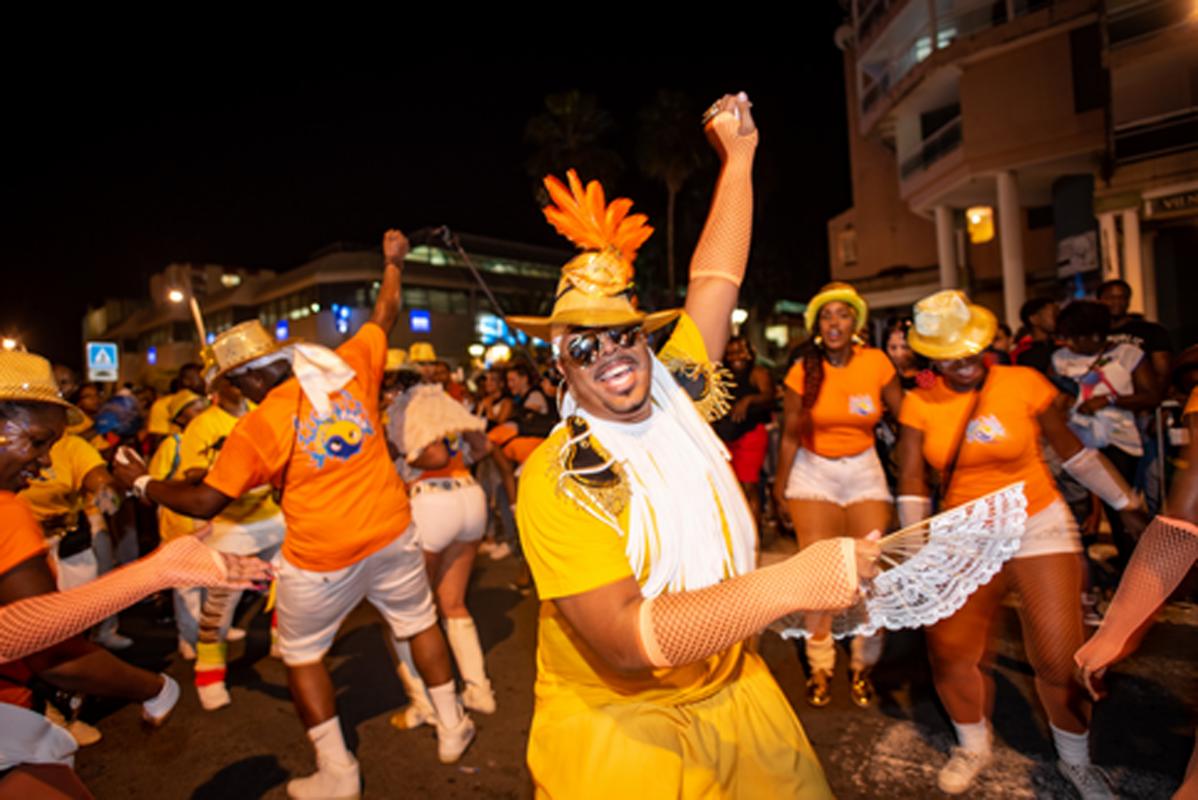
[
  {"x": 670, "y": 148},
  {"x": 571, "y": 133}
]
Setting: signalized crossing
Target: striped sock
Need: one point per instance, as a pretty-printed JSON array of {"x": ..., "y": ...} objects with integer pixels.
[{"x": 210, "y": 663}]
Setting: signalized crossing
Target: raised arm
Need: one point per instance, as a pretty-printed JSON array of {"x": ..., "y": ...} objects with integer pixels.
[
  {"x": 386, "y": 307},
  {"x": 720, "y": 258}
]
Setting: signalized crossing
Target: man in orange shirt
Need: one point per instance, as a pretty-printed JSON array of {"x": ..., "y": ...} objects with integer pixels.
[{"x": 317, "y": 437}]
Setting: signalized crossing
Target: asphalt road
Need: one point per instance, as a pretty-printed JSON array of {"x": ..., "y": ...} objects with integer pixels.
[{"x": 1143, "y": 733}]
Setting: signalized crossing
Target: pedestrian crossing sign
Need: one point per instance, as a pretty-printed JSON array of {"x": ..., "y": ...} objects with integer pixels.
[{"x": 103, "y": 362}]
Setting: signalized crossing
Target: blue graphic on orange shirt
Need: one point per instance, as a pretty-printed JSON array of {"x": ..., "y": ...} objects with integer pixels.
[
  {"x": 340, "y": 435},
  {"x": 985, "y": 430},
  {"x": 861, "y": 405}
]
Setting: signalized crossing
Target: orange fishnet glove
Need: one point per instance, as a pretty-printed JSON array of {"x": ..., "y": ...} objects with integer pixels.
[
  {"x": 723, "y": 248},
  {"x": 1166, "y": 551},
  {"x": 33, "y": 624},
  {"x": 688, "y": 626}
]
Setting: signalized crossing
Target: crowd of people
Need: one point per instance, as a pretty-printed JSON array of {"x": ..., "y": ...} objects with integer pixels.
[{"x": 631, "y": 470}]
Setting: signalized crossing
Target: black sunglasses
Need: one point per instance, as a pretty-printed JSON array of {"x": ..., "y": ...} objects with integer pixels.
[{"x": 582, "y": 348}]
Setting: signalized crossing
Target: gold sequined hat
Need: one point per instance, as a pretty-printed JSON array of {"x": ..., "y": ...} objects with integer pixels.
[
  {"x": 948, "y": 326},
  {"x": 596, "y": 285},
  {"x": 236, "y": 347},
  {"x": 29, "y": 378}
]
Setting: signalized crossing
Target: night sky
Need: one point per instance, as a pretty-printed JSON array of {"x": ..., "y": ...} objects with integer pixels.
[{"x": 117, "y": 167}]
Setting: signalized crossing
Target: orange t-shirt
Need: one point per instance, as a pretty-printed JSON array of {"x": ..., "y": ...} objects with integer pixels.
[
  {"x": 1002, "y": 440},
  {"x": 343, "y": 499},
  {"x": 1191, "y": 404},
  {"x": 20, "y": 540},
  {"x": 22, "y": 537},
  {"x": 849, "y": 404}
]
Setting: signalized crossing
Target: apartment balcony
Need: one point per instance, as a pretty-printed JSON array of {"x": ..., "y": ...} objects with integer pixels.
[
  {"x": 940, "y": 143},
  {"x": 1170, "y": 133},
  {"x": 1129, "y": 21}
]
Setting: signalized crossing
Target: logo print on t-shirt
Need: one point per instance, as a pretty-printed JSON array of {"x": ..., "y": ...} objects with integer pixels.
[
  {"x": 339, "y": 436},
  {"x": 985, "y": 430},
  {"x": 862, "y": 405}
]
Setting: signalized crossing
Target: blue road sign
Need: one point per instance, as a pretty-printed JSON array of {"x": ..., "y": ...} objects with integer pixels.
[{"x": 103, "y": 362}]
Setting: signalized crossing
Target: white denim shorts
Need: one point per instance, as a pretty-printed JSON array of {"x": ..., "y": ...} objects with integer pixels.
[
  {"x": 844, "y": 481},
  {"x": 445, "y": 512},
  {"x": 1050, "y": 531},
  {"x": 312, "y": 605}
]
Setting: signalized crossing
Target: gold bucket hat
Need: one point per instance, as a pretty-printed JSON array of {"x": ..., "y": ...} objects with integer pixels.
[
  {"x": 29, "y": 378},
  {"x": 180, "y": 401},
  {"x": 596, "y": 285},
  {"x": 836, "y": 292},
  {"x": 236, "y": 347},
  {"x": 948, "y": 326},
  {"x": 421, "y": 352},
  {"x": 396, "y": 357}
]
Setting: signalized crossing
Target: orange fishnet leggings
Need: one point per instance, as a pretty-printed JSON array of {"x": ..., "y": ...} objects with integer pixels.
[{"x": 1049, "y": 589}]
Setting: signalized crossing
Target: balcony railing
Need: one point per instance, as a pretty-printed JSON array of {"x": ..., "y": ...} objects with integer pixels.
[
  {"x": 1169, "y": 133},
  {"x": 946, "y": 139},
  {"x": 1128, "y": 22}
]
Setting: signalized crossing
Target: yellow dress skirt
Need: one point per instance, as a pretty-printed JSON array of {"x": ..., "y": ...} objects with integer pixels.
[{"x": 742, "y": 742}]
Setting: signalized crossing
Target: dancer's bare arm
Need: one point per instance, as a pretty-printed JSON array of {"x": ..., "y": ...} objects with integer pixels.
[
  {"x": 792, "y": 411},
  {"x": 386, "y": 307},
  {"x": 718, "y": 264}
]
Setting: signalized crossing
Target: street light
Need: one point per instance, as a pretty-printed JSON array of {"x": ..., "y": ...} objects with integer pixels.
[
  {"x": 9, "y": 343},
  {"x": 175, "y": 295}
]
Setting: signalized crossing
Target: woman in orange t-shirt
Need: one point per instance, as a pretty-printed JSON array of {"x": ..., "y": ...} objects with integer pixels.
[
  {"x": 980, "y": 427},
  {"x": 830, "y": 480}
]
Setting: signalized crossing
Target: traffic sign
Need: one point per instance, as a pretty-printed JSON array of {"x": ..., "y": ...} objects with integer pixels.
[{"x": 103, "y": 362}]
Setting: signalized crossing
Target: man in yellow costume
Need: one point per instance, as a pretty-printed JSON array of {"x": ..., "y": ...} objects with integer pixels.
[{"x": 638, "y": 535}]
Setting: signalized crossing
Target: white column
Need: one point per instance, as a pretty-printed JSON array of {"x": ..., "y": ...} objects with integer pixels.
[
  {"x": 1132, "y": 271},
  {"x": 1109, "y": 245},
  {"x": 1148, "y": 274},
  {"x": 1010, "y": 233},
  {"x": 946, "y": 248}
]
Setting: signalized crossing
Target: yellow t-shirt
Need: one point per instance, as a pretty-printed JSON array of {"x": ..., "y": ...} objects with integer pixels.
[
  {"x": 166, "y": 465},
  {"x": 202, "y": 443},
  {"x": 59, "y": 489},
  {"x": 570, "y": 552},
  {"x": 159, "y": 422}
]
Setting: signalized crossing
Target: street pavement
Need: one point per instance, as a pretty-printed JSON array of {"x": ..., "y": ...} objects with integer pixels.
[{"x": 1143, "y": 733}]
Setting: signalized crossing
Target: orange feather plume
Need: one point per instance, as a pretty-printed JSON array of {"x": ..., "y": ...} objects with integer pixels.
[{"x": 584, "y": 217}]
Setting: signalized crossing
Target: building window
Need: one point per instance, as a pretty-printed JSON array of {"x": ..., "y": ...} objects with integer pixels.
[{"x": 846, "y": 247}]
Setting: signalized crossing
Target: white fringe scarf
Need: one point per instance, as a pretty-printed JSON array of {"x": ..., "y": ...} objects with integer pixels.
[{"x": 689, "y": 526}]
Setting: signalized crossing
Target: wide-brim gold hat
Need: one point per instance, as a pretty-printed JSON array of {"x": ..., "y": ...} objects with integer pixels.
[
  {"x": 836, "y": 293},
  {"x": 596, "y": 285},
  {"x": 948, "y": 326},
  {"x": 578, "y": 309},
  {"x": 238, "y": 346},
  {"x": 29, "y": 378}
]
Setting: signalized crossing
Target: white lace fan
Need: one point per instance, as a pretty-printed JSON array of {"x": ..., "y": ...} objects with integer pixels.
[{"x": 930, "y": 568}]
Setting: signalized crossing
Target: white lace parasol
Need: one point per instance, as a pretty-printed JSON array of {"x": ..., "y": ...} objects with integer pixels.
[{"x": 930, "y": 568}]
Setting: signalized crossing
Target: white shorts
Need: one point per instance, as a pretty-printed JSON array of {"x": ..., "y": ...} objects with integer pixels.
[
  {"x": 246, "y": 538},
  {"x": 312, "y": 605},
  {"x": 842, "y": 481},
  {"x": 448, "y": 510},
  {"x": 1050, "y": 531}
]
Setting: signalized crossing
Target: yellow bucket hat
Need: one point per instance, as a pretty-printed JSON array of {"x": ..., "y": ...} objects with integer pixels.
[
  {"x": 836, "y": 292},
  {"x": 596, "y": 285},
  {"x": 238, "y": 346},
  {"x": 948, "y": 326},
  {"x": 180, "y": 401},
  {"x": 421, "y": 352},
  {"x": 29, "y": 378},
  {"x": 396, "y": 356}
]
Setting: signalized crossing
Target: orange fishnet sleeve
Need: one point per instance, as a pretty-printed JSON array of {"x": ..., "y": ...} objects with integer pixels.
[
  {"x": 723, "y": 248},
  {"x": 688, "y": 626},
  {"x": 1164, "y": 555},
  {"x": 33, "y": 624}
]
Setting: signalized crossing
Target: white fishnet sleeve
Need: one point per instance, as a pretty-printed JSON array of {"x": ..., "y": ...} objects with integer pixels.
[
  {"x": 35, "y": 623},
  {"x": 1166, "y": 552},
  {"x": 688, "y": 626}
]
